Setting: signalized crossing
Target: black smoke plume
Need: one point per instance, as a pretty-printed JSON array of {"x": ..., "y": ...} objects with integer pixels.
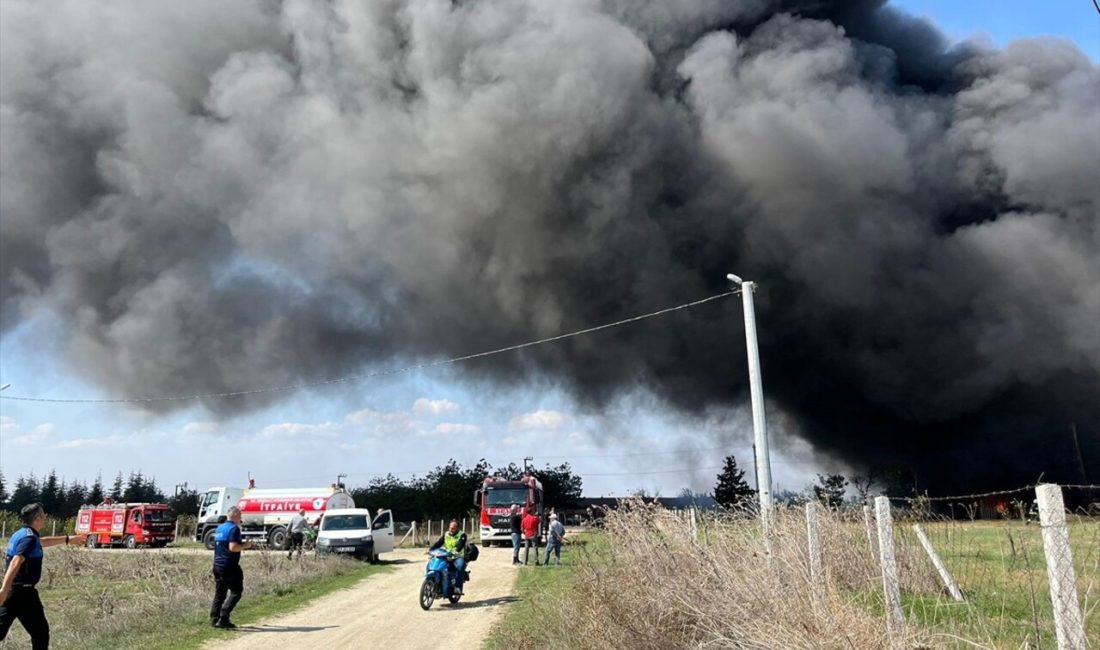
[{"x": 210, "y": 193}]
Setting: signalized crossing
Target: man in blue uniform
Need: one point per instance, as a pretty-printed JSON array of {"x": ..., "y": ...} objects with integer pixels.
[
  {"x": 22, "y": 569},
  {"x": 228, "y": 577}
]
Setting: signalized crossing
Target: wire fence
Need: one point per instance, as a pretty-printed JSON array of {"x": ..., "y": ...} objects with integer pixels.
[{"x": 892, "y": 573}]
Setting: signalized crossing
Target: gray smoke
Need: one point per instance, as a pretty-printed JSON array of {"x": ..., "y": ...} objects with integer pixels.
[{"x": 216, "y": 193}]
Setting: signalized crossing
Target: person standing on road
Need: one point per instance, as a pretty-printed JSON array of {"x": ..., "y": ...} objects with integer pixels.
[
  {"x": 22, "y": 570},
  {"x": 298, "y": 526},
  {"x": 228, "y": 577},
  {"x": 554, "y": 540},
  {"x": 530, "y": 534},
  {"x": 517, "y": 533},
  {"x": 454, "y": 541}
]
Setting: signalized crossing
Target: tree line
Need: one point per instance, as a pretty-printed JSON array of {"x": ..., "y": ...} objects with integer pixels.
[
  {"x": 63, "y": 499},
  {"x": 447, "y": 491}
]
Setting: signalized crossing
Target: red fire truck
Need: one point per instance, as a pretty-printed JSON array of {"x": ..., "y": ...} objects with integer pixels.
[
  {"x": 126, "y": 524},
  {"x": 495, "y": 498}
]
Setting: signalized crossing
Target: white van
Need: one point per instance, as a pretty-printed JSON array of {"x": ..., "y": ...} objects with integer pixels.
[{"x": 352, "y": 531}]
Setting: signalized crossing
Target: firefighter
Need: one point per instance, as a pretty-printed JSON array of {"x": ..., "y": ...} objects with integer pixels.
[
  {"x": 228, "y": 577},
  {"x": 22, "y": 569},
  {"x": 454, "y": 541}
]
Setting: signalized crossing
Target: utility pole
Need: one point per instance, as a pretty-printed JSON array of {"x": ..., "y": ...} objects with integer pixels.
[
  {"x": 525, "y": 460},
  {"x": 340, "y": 479},
  {"x": 759, "y": 421}
]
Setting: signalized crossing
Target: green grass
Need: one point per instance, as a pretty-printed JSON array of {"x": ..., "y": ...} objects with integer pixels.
[
  {"x": 537, "y": 589},
  {"x": 1001, "y": 569}
]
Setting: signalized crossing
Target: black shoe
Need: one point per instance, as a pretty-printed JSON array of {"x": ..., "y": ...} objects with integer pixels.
[
  {"x": 213, "y": 622},
  {"x": 225, "y": 624}
]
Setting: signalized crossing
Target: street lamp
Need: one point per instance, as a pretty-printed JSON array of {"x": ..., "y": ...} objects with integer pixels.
[
  {"x": 759, "y": 421},
  {"x": 5, "y": 387}
]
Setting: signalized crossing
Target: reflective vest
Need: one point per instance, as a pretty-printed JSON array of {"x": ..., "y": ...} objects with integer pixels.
[{"x": 450, "y": 542}]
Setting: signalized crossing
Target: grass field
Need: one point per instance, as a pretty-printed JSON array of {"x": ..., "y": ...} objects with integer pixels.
[
  {"x": 158, "y": 600},
  {"x": 692, "y": 590}
]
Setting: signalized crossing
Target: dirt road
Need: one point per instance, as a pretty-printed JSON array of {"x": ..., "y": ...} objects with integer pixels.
[{"x": 383, "y": 611}]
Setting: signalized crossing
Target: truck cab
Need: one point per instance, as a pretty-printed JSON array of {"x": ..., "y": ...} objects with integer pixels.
[
  {"x": 352, "y": 531},
  {"x": 214, "y": 505}
]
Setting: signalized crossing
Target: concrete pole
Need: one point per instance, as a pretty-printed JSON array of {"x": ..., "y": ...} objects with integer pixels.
[
  {"x": 948, "y": 581},
  {"x": 870, "y": 531},
  {"x": 895, "y": 620},
  {"x": 759, "y": 419},
  {"x": 694, "y": 526},
  {"x": 1069, "y": 627}
]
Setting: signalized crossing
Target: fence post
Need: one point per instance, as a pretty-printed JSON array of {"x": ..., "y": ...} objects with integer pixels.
[
  {"x": 1068, "y": 624},
  {"x": 694, "y": 526},
  {"x": 176, "y": 533},
  {"x": 948, "y": 581},
  {"x": 895, "y": 620},
  {"x": 813, "y": 537},
  {"x": 54, "y": 533},
  {"x": 4, "y": 529}
]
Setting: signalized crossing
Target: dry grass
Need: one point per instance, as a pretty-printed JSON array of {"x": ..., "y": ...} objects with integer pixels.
[
  {"x": 134, "y": 599},
  {"x": 647, "y": 582}
]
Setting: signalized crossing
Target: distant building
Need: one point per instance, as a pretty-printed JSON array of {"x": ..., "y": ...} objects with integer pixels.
[{"x": 593, "y": 508}]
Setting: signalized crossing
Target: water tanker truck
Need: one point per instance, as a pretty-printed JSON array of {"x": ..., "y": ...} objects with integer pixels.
[{"x": 266, "y": 513}]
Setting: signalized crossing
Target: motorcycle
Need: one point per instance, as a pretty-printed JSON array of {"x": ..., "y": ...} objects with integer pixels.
[{"x": 439, "y": 579}]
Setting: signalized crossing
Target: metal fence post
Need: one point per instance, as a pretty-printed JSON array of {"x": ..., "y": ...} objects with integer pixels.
[
  {"x": 895, "y": 620},
  {"x": 813, "y": 537},
  {"x": 1068, "y": 624},
  {"x": 948, "y": 581}
]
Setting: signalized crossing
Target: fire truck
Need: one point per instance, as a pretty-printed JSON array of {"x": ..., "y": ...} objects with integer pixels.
[
  {"x": 495, "y": 498},
  {"x": 266, "y": 513},
  {"x": 126, "y": 524}
]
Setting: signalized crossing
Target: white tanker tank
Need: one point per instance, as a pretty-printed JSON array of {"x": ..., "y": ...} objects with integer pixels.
[{"x": 266, "y": 512}]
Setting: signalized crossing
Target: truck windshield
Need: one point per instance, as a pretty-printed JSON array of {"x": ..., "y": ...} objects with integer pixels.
[
  {"x": 344, "y": 522},
  {"x": 506, "y": 496},
  {"x": 157, "y": 515},
  {"x": 211, "y": 497}
]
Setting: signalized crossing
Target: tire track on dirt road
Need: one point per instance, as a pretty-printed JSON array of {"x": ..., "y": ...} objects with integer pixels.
[{"x": 384, "y": 610}]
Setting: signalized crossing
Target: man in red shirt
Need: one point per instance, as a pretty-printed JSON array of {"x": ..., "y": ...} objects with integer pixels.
[{"x": 530, "y": 533}]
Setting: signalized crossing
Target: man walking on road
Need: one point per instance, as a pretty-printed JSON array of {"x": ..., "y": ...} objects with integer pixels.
[
  {"x": 517, "y": 533},
  {"x": 22, "y": 570},
  {"x": 228, "y": 577},
  {"x": 297, "y": 529}
]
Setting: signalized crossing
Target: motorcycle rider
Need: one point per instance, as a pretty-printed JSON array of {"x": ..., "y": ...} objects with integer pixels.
[{"x": 454, "y": 541}]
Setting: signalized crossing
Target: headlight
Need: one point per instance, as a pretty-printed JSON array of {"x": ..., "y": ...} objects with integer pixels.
[
  {"x": 324, "y": 541},
  {"x": 367, "y": 537}
]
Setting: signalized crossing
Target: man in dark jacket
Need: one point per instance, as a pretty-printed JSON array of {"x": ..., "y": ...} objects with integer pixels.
[
  {"x": 517, "y": 533},
  {"x": 228, "y": 577},
  {"x": 22, "y": 569},
  {"x": 454, "y": 540}
]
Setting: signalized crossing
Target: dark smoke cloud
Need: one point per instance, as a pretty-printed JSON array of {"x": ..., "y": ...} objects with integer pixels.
[{"x": 222, "y": 194}]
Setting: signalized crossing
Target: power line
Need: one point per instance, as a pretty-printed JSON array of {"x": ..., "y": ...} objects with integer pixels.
[{"x": 369, "y": 375}]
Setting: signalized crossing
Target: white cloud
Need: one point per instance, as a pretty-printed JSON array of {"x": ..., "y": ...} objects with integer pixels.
[
  {"x": 434, "y": 406},
  {"x": 199, "y": 428},
  {"x": 18, "y": 436},
  {"x": 456, "y": 428},
  {"x": 299, "y": 430},
  {"x": 383, "y": 423},
  {"x": 539, "y": 420}
]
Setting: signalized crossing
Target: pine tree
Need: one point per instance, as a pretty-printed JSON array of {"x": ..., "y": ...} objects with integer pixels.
[
  {"x": 51, "y": 494},
  {"x": 25, "y": 492},
  {"x": 732, "y": 490},
  {"x": 135, "y": 488},
  {"x": 95, "y": 494},
  {"x": 830, "y": 489},
  {"x": 116, "y": 489},
  {"x": 3, "y": 491},
  {"x": 74, "y": 498}
]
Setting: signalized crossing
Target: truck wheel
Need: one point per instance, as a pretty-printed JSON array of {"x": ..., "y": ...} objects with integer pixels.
[
  {"x": 129, "y": 542},
  {"x": 277, "y": 538},
  {"x": 208, "y": 539},
  {"x": 92, "y": 541}
]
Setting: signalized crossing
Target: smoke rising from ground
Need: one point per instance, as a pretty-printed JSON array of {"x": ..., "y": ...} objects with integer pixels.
[{"x": 233, "y": 193}]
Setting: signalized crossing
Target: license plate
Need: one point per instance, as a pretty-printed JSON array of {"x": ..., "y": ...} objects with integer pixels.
[{"x": 345, "y": 550}]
